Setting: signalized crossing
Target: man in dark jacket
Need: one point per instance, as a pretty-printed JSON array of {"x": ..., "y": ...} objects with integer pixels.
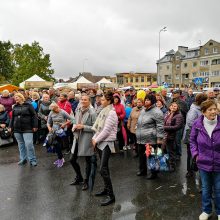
[{"x": 190, "y": 98}]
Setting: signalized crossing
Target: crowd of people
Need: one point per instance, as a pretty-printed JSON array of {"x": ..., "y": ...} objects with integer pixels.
[{"x": 90, "y": 123}]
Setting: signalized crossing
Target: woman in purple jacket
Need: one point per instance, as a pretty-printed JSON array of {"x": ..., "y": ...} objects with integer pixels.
[{"x": 205, "y": 148}]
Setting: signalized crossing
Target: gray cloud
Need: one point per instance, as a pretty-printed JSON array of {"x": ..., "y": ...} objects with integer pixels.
[{"x": 115, "y": 36}]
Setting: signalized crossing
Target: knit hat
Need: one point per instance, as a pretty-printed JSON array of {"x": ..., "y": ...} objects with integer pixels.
[{"x": 116, "y": 95}]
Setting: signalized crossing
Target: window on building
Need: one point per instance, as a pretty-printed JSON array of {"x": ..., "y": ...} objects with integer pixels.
[
  {"x": 149, "y": 79},
  {"x": 210, "y": 44},
  {"x": 142, "y": 79},
  {"x": 196, "y": 53},
  {"x": 126, "y": 80},
  {"x": 177, "y": 76},
  {"x": 136, "y": 79},
  {"x": 194, "y": 74},
  {"x": 215, "y": 50},
  {"x": 177, "y": 57},
  {"x": 177, "y": 66},
  {"x": 216, "y": 73},
  {"x": 204, "y": 63},
  {"x": 131, "y": 79},
  {"x": 206, "y": 51},
  {"x": 185, "y": 65},
  {"x": 187, "y": 76},
  {"x": 168, "y": 67},
  {"x": 204, "y": 74},
  {"x": 215, "y": 61},
  {"x": 194, "y": 64}
]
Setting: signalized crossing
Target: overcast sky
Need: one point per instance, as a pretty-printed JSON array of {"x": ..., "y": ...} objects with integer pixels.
[{"x": 108, "y": 36}]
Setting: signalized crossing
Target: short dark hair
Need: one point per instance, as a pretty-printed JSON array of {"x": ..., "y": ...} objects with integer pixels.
[
  {"x": 109, "y": 96},
  {"x": 206, "y": 104},
  {"x": 64, "y": 95},
  {"x": 152, "y": 98},
  {"x": 200, "y": 98}
]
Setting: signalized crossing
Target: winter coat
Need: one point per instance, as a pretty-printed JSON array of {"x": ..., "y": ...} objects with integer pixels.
[
  {"x": 24, "y": 118},
  {"x": 120, "y": 111},
  {"x": 74, "y": 103},
  {"x": 7, "y": 102},
  {"x": 150, "y": 126},
  {"x": 182, "y": 105},
  {"x": 189, "y": 100},
  {"x": 109, "y": 132},
  {"x": 66, "y": 106},
  {"x": 128, "y": 110},
  {"x": 43, "y": 112},
  {"x": 119, "y": 108},
  {"x": 84, "y": 137},
  {"x": 206, "y": 149},
  {"x": 132, "y": 120},
  {"x": 193, "y": 113},
  {"x": 4, "y": 118},
  {"x": 174, "y": 125}
]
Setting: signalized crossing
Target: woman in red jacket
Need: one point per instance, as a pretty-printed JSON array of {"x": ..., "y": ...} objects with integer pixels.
[{"x": 120, "y": 111}]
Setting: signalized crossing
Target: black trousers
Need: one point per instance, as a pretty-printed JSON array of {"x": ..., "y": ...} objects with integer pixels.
[
  {"x": 189, "y": 158},
  {"x": 142, "y": 158},
  {"x": 171, "y": 149},
  {"x": 58, "y": 147},
  {"x": 104, "y": 170},
  {"x": 76, "y": 166}
]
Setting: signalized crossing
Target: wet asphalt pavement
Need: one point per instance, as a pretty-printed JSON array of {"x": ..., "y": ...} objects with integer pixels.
[{"x": 44, "y": 193}]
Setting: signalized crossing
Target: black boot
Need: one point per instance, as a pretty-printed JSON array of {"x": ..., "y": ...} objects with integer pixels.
[
  {"x": 152, "y": 176},
  {"x": 85, "y": 185},
  {"x": 109, "y": 200},
  {"x": 77, "y": 181},
  {"x": 102, "y": 193}
]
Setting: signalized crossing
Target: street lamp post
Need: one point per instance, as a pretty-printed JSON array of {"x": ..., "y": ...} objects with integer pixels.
[
  {"x": 158, "y": 71},
  {"x": 84, "y": 60}
]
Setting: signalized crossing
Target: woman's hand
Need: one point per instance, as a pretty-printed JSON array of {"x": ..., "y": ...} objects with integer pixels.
[
  {"x": 3, "y": 125},
  {"x": 79, "y": 126},
  {"x": 34, "y": 129},
  {"x": 94, "y": 143}
]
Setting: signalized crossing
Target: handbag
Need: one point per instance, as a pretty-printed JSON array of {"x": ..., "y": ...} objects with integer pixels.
[
  {"x": 194, "y": 166},
  {"x": 157, "y": 161},
  {"x": 4, "y": 133}
]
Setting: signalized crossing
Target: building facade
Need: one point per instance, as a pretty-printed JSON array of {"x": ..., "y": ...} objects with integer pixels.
[
  {"x": 137, "y": 80},
  {"x": 192, "y": 67}
]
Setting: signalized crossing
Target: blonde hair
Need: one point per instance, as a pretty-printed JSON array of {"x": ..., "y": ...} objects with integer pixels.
[
  {"x": 20, "y": 96},
  {"x": 52, "y": 105},
  {"x": 5, "y": 92},
  {"x": 2, "y": 108},
  {"x": 35, "y": 95}
]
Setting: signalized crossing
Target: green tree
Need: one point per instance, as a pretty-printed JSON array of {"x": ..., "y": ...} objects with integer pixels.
[
  {"x": 30, "y": 60},
  {"x": 6, "y": 63}
]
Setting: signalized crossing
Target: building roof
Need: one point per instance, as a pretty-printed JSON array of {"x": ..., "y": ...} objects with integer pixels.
[{"x": 193, "y": 49}]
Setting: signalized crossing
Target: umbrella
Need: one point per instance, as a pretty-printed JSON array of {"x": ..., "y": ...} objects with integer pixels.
[{"x": 92, "y": 172}]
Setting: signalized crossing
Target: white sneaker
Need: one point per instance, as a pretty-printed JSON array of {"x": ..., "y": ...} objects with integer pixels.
[
  {"x": 218, "y": 217},
  {"x": 204, "y": 216},
  {"x": 129, "y": 147},
  {"x": 124, "y": 148}
]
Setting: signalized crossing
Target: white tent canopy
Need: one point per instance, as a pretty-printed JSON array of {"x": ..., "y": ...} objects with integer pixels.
[
  {"x": 34, "y": 78},
  {"x": 104, "y": 80},
  {"x": 82, "y": 79}
]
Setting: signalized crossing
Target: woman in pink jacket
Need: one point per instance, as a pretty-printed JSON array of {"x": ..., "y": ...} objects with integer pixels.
[
  {"x": 120, "y": 111},
  {"x": 106, "y": 129}
]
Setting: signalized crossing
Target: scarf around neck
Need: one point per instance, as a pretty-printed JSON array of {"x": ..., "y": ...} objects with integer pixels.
[{"x": 100, "y": 121}]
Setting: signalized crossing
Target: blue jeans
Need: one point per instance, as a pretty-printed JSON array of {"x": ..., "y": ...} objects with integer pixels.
[
  {"x": 210, "y": 181},
  {"x": 26, "y": 146}
]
